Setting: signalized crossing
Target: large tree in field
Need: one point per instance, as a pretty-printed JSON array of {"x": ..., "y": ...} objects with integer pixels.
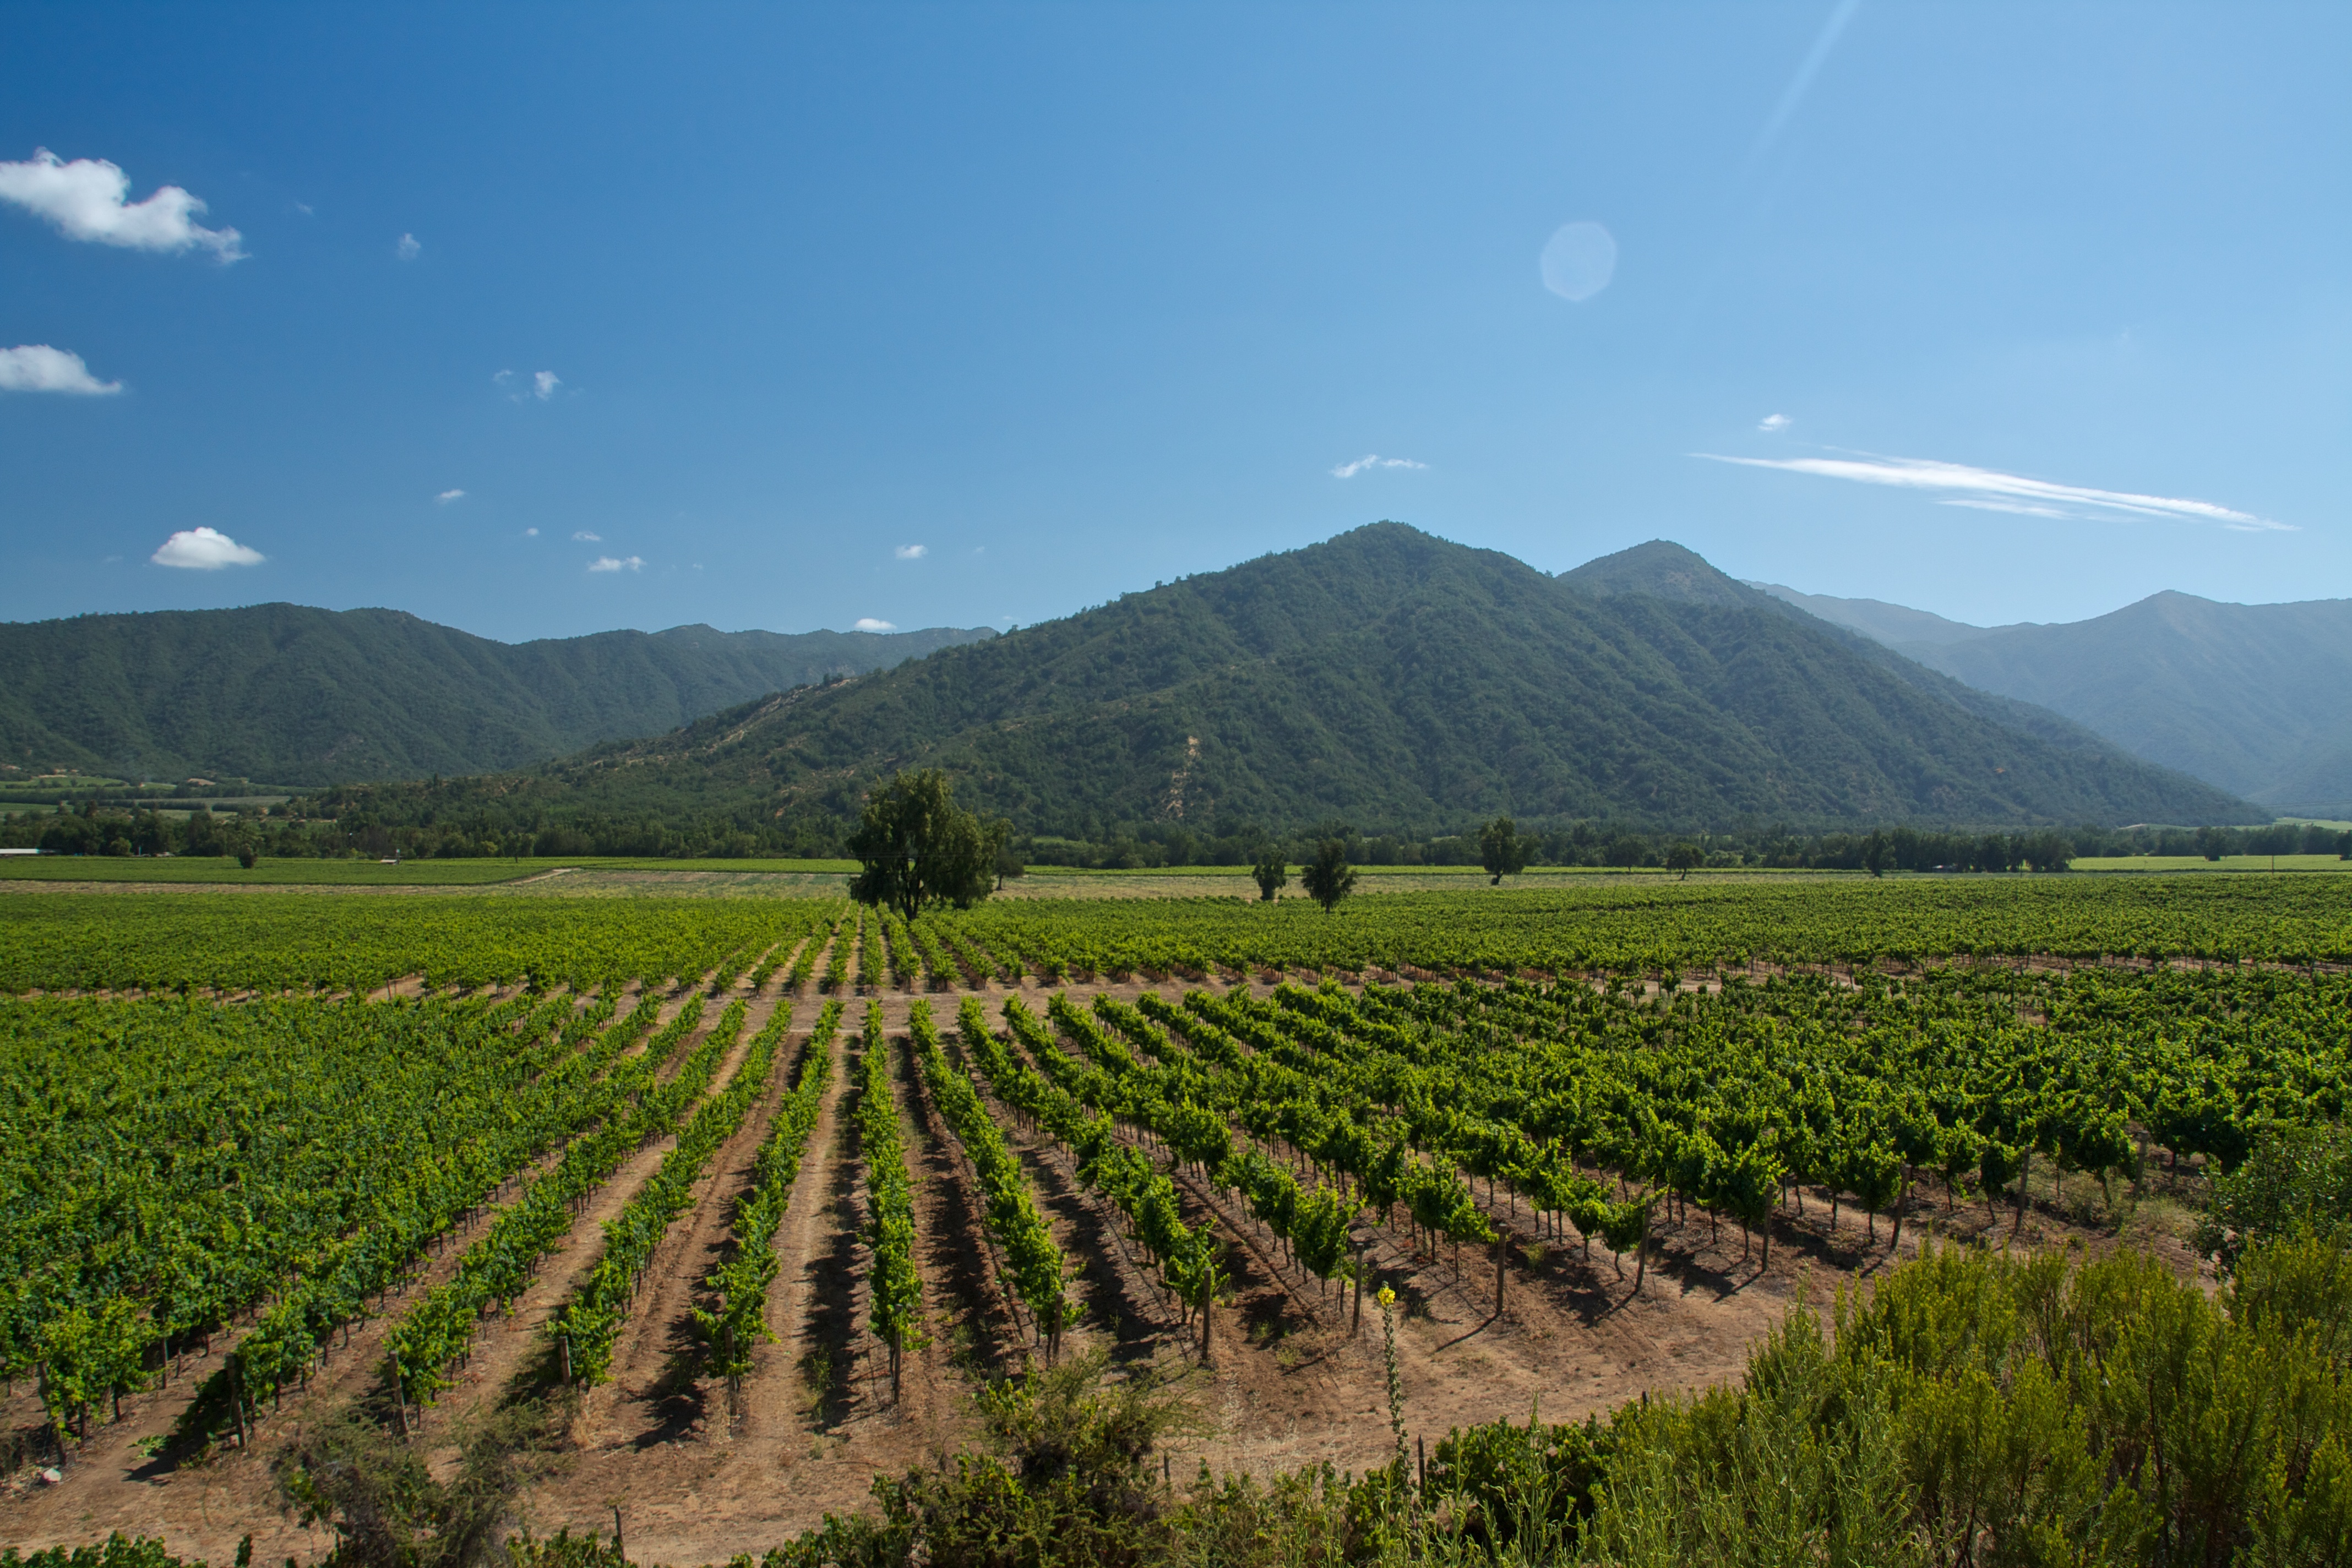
[
  {"x": 918, "y": 847},
  {"x": 1329, "y": 878},
  {"x": 1501, "y": 849}
]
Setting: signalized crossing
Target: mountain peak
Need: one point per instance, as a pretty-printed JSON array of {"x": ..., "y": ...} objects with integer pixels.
[{"x": 1663, "y": 570}]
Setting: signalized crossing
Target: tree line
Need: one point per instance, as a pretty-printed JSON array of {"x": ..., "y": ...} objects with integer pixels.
[{"x": 414, "y": 822}]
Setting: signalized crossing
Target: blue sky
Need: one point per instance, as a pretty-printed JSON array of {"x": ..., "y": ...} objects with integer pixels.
[{"x": 976, "y": 314}]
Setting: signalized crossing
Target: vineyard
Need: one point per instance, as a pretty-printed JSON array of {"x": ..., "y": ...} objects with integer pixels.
[{"x": 770, "y": 1188}]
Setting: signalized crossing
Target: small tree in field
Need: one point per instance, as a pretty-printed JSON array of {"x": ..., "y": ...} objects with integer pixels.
[
  {"x": 1329, "y": 878},
  {"x": 1272, "y": 874},
  {"x": 1501, "y": 849},
  {"x": 1684, "y": 858}
]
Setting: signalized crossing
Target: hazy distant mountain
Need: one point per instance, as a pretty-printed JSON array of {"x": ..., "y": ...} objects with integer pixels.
[
  {"x": 1895, "y": 625},
  {"x": 287, "y": 694},
  {"x": 1403, "y": 683},
  {"x": 2256, "y": 699}
]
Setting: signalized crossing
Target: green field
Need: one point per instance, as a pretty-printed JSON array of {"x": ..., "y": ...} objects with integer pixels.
[{"x": 2178, "y": 863}]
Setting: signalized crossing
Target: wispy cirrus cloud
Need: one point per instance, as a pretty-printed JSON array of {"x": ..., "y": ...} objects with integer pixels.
[
  {"x": 36, "y": 367},
  {"x": 1373, "y": 460},
  {"x": 445, "y": 497},
  {"x": 85, "y": 200},
  {"x": 408, "y": 249},
  {"x": 584, "y": 537},
  {"x": 1988, "y": 489},
  {"x": 910, "y": 552},
  {"x": 617, "y": 563},
  {"x": 1773, "y": 423}
]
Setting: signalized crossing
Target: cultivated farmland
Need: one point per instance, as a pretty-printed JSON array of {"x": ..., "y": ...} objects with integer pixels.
[{"x": 773, "y": 1186}]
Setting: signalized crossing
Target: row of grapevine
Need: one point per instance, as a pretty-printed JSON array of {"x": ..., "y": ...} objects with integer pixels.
[
  {"x": 869, "y": 950},
  {"x": 586, "y": 1327},
  {"x": 314, "y": 942},
  {"x": 825, "y": 931},
  {"x": 1589, "y": 927},
  {"x": 334, "y": 1290},
  {"x": 1313, "y": 1224},
  {"x": 1189, "y": 1108},
  {"x": 845, "y": 939},
  {"x": 439, "y": 1328},
  {"x": 1427, "y": 1139},
  {"x": 1011, "y": 1213},
  {"x": 903, "y": 959},
  {"x": 735, "y": 1323},
  {"x": 895, "y": 1288},
  {"x": 174, "y": 1164},
  {"x": 1139, "y": 1191}
]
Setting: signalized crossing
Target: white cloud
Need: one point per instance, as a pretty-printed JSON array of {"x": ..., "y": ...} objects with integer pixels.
[
  {"x": 36, "y": 367},
  {"x": 1373, "y": 460},
  {"x": 584, "y": 537},
  {"x": 910, "y": 552},
  {"x": 1773, "y": 423},
  {"x": 1985, "y": 490},
  {"x": 445, "y": 497},
  {"x": 868, "y": 624},
  {"x": 531, "y": 533},
  {"x": 85, "y": 200},
  {"x": 544, "y": 382},
  {"x": 204, "y": 550},
  {"x": 408, "y": 249},
  {"x": 621, "y": 563}
]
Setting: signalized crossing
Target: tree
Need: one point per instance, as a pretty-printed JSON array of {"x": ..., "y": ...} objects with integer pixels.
[
  {"x": 1272, "y": 874},
  {"x": 1329, "y": 877},
  {"x": 1876, "y": 854},
  {"x": 918, "y": 847},
  {"x": 1501, "y": 849},
  {"x": 1684, "y": 858},
  {"x": 1626, "y": 851},
  {"x": 1008, "y": 859}
]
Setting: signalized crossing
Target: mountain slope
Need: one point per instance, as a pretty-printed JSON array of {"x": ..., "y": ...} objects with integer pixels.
[
  {"x": 1898, "y": 626},
  {"x": 288, "y": 694},
  {"x": 2256, "y": 699},
  {"x": 1408, "y": 684}
]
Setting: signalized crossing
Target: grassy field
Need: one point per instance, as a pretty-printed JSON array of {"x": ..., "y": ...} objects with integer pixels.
[{"x": 2176, "y": 863}]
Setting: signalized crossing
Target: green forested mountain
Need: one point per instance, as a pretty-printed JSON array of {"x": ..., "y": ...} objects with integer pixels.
[
  {"x": 1398, "y": 682},
  {"x": 287, "y": 694}
]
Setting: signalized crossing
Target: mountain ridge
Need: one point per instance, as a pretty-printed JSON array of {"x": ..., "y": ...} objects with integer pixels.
[
  {"x": 1404, "y": 683},
  {"x": 295, "y": 695}
]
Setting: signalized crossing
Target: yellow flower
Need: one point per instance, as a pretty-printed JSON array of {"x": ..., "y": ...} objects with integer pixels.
[{"x": 1386, "y": 1297}]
